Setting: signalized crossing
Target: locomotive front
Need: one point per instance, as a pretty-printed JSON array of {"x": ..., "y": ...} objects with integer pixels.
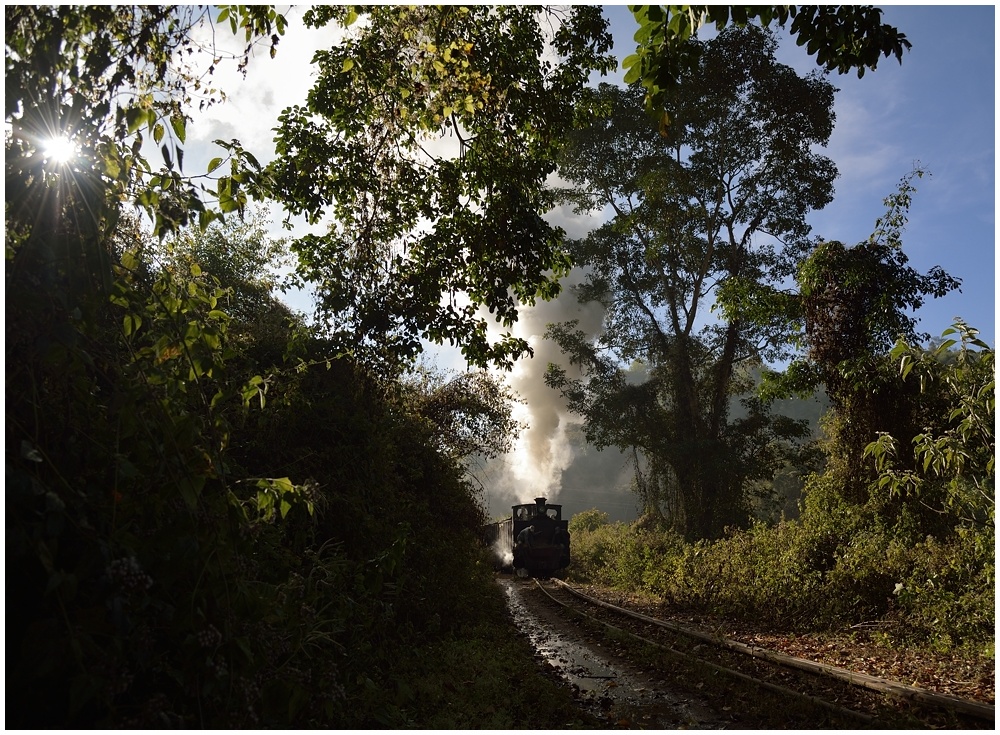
[{"x": 541, "y": 539}]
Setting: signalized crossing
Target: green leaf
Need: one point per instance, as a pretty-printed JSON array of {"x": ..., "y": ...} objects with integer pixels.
[
  {"x": 131, "y": 324},
  {"x": 111, "y": 168},
  {"x": 265, "y": 504},
  {"x": 211, "y": 338},
  {"x": 674, "y": 26},
  {"x": 205, "y": 218},
  {"x": 348, "y": 65},
  {"x": 134, "y": 118},
  {"x": 158, "y": 132},
  {"x": 179, "y": 125},
  {"x": 190, "y": 489},
  {"x": 197, "y": 369}
]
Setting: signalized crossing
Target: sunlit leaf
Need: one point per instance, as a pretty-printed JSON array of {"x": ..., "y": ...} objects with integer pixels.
[
  {"x": 131, "y": 324},
  {"x": 179, "y": 125}
]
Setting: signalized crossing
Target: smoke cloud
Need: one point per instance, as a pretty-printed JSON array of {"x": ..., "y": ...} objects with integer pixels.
[{"x": 543, "y": 451}]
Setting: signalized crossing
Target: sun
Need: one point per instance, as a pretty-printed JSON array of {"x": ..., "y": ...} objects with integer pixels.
[{"x": 59, "y": 150}]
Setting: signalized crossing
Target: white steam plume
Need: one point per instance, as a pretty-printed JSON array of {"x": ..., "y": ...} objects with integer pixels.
[{"x": 542, "y": 451}]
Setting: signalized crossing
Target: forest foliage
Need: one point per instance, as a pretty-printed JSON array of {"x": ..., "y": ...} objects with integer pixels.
[
  {"x": 913, "y": 562},
  {"x": 429, "y": 135},
  {"x": 215, "y": 516},
  {"x": 896, "y": 529},
  {"x": 843, "y": 38},
  {"x": 219, "y": 515}
]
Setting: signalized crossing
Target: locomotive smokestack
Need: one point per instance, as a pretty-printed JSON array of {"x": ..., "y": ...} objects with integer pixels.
[{"x": 540, "y": 503}]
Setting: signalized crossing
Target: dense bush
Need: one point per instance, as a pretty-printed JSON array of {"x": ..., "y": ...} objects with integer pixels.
[
  {"x": 163, "y": 570},
  {"x": 838, "y": 566}
]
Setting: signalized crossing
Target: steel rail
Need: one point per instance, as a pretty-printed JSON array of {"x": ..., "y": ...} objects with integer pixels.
[
  {"x": 718, "y": 668},
  {"x": 970, "y": 707}
]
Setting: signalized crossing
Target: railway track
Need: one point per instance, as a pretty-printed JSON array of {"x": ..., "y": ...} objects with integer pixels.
[{"x": 774, "y": 688}]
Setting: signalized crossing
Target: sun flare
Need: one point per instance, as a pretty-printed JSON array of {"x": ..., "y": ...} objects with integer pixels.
[{"x": 59, "y": 150}]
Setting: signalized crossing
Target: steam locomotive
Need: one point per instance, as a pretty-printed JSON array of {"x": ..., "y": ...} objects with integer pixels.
[{"x": 534, "y": 541}]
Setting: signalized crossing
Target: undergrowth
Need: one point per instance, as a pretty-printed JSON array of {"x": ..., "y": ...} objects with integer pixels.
[
  {"x": 193, "y": 544},
  {"x": 828, "y": 570}
]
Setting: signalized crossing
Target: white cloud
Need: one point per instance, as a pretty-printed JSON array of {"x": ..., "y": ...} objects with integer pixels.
[{"x": 253, "y": 103}]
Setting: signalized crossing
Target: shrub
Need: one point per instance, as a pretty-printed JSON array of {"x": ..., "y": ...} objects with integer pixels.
[
  {"x": 838, "y": 566},
  {"x": 588, "y": 521}
]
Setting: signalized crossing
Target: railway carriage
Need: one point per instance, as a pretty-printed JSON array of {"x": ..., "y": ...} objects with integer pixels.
[{"x": 534, "y": 541}]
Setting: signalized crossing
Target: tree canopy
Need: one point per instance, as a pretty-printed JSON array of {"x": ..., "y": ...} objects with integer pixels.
[
  {"x": 428, "y": 137},
  {"x": 841, "y": 37},
  {"x": 108, "y": 79},
  {"x": 217, "y": 517},
  {"x": 952, "y": 469},
  {"x": 852, "y": 303},
  {"x": 164, "y": 569}
]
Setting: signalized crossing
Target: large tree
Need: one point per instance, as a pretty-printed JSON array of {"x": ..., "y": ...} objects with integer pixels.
[
  {"x": 715, "y": 210},
  {"x": 428, "y": 137}
]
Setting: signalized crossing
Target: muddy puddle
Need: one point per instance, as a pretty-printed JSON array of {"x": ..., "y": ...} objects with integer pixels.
[{"x": 603, "y": 684}]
